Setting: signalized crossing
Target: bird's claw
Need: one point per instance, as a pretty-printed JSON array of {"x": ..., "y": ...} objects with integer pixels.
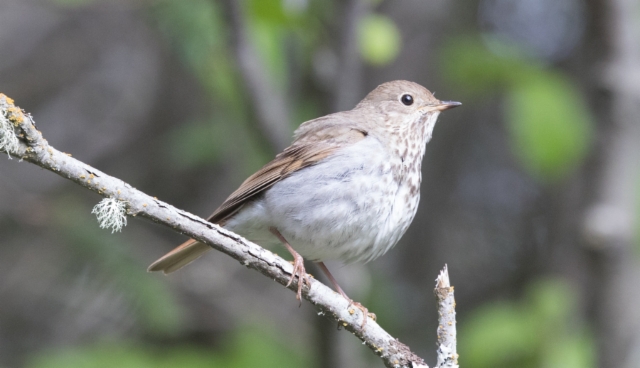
[
  {"x": 303, "y": 277},
  {"x": 365, "y": 313}
]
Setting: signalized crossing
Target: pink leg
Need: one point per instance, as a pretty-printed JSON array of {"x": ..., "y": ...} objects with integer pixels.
[
  {"x": 365, "y": 311},
  {"x": 298, "y": 264}
]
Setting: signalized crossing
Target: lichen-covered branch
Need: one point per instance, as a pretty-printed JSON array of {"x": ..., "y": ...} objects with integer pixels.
[
  {"x": 10, "y": 116},
  {"x": 28, "y": 144}
]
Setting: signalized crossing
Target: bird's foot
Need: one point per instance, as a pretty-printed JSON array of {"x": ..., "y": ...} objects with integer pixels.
[
  {"x": 298, "y": 270},
  {"x": 298, "y": 265},
  {"x": 365, "y": 311}
]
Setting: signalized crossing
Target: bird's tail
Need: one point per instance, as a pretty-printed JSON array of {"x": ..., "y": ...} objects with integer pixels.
[{"x": 181, "y": 256}]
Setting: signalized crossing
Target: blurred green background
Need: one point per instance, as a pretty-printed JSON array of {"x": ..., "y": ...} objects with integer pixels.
[{"x": 530, "y": 190}]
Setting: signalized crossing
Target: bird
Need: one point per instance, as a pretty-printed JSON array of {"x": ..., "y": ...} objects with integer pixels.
[{"x": 346, "y": 189}]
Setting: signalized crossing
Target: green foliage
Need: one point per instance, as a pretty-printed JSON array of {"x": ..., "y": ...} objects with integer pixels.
[
  {"x": 549, "y": 124},
  {"x": 271, "y": 25},
  {"x": 379, "y": 39},
  {"x": 284, "y": 36},
  {"x": 271, "y": 11},
  {"x": 473, "y": 69},
  {"x": 246, "y": 348},
  {"x": 199, "y": 34},
  {"x": 539, "y": 331},
  {"x": 251, "y": 347}
]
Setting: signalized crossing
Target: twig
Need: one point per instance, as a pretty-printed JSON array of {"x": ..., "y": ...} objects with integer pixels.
[
  {"x": 32, "y": 147},
  {"x": 447, "y": 355}
]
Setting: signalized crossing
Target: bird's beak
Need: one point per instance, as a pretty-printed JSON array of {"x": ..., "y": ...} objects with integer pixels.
[{"x": 446, "y": 105}]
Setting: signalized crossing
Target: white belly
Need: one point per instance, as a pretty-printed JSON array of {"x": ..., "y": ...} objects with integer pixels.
[{"x": 348, "y": 207}]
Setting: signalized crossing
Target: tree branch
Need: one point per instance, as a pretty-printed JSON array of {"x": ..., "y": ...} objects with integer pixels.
[
  {"x": 28, "y": 144},
  {"x": 447, "y": 354}
]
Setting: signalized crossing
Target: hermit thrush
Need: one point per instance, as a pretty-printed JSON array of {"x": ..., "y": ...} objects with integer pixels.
[{"x": 346, "y": 189}]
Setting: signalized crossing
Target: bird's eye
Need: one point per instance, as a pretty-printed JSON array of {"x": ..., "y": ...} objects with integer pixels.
[{"x": 407, "y": 99}]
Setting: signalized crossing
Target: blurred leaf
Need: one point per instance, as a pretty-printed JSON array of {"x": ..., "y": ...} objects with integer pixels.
[
  {"x": 549, "y": 124},
  {"x": 575, "y": 352},
  {"x": 271, "y": 11},
  {"x": 193, "y": 26},
  {"x": 551, "y": 300},
  {"x": 379, "y": 39},
  {"x": 474, "y": 69},
  {"x": 197, "y": 31},
  {"x": 538, "y": 331},
  {"x": 498, "y": 335},
  {"x": 279, "y": 31}
]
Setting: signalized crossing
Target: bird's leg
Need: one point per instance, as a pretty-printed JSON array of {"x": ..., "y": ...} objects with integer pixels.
[
  {"x": 365, "y": 311},
  {"x": 298, "y": 264}
]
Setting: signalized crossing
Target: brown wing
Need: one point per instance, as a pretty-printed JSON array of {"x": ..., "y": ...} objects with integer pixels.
[
  {"x": 292, "y": 159},
  {"x": 309, "y": 149}
]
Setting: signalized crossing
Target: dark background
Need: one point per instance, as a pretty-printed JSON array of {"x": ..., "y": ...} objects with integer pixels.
[{"x": 530, "y": 189}]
